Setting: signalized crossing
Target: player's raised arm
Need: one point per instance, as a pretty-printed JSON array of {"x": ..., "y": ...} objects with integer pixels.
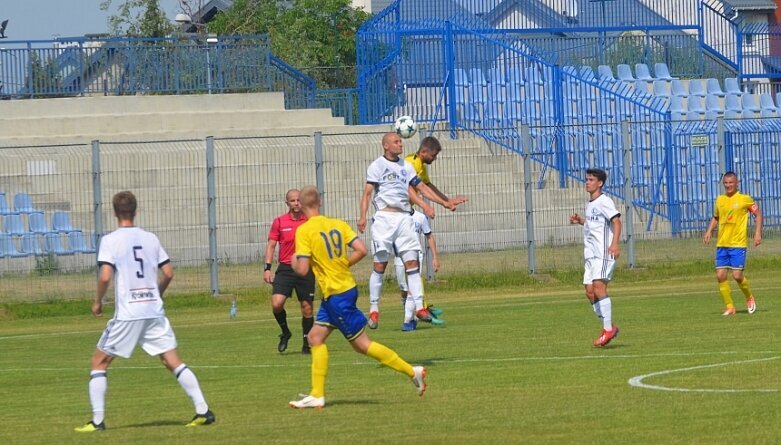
[
  {"x": 428, "y": 193},
  {"x": 368, "y": 189}
]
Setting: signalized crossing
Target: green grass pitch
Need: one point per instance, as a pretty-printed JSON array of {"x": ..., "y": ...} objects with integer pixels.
[{"x": 512, "y": 365}]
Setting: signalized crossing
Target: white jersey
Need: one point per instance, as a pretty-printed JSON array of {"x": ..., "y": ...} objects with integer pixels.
[
  {"x": 391, "y": 181},
  {"x": 422, "y": 223},
  {"x": 598, "y": 227},
  {"x": 135, "y": 255}
]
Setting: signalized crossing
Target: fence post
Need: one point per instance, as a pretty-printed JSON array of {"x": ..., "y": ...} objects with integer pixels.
[
  {"x": 320, "y": 170},
  {"x": 450, "y": 65},
  {"x": 97, "y": 194},
  {"x": 528, "y": 200},
  {"x": 720, "y": 144},
  {"x": 211, "y": 196},
  {"x": 628, "y": 195}
]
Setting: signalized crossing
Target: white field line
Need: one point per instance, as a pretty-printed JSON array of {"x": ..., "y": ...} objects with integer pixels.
[
  {"x": 637, "y": 381},
  {"x": 448, "y": 361}
]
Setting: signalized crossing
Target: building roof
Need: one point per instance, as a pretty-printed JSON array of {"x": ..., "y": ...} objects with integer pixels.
[{"x": 743, "y": 5}]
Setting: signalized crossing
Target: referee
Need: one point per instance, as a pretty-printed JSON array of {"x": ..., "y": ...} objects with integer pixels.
[{"x": 282, "y": 232}]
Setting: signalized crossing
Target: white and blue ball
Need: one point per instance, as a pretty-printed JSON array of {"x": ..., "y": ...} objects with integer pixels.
[{"x": 406, "y": 127}]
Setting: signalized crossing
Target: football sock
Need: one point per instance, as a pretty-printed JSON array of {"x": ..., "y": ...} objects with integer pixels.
[
  {"x": 98, "y": 383},
  {"x": 409, "y": 309},
  {"x": 595, "y": 306},
  {"x": 306, "y": 325},
  {"x": 606, "y": 309},
  {"x": 415, "y": 287},
  {"x": 375, "y": 291},
  {"x": 281, "y": 317},
  {"x": 401, "y": 276},
  {"x": 726, "y": 294},
  {"x": 743, "y": 285},
  {"x": 319, "y": 370},
  {"x": 389, "y": 358},
  {"x": 189, "y": 384}
]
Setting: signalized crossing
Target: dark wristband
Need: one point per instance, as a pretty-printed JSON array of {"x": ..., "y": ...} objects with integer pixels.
[{"x": 267, "y": 266}]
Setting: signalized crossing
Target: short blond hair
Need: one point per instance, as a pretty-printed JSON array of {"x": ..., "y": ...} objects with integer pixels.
[{"x": 310, "y": 197}]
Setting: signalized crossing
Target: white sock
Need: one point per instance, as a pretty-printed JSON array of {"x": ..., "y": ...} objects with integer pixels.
[
  {"x": 98, "y": 384},
  {"x": 401, "y": 277},
  {"x": 595, "y": 306},
  {"x": 190, "y": 385},
  {"x": 606, "y": 308},
  {"x": 409, "y": 309},
  {"x": 375, "y": 291},
  {"x": 415, "y": 287}
]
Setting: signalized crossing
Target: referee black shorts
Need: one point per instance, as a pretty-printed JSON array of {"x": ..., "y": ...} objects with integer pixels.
[{"x": 286, "y": 281}]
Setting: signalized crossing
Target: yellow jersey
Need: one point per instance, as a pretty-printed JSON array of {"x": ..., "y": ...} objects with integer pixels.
[
  {"x": 325, "y": 241},
  {"x": 420, "y": 167},
  {"x": 732, "y": 213}
]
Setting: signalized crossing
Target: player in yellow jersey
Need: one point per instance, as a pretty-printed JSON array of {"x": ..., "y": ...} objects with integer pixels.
[
  {"x": 329, "y": 246},
  {"x": 427, "y": 153},
  {"x": 730, "y": 213}
]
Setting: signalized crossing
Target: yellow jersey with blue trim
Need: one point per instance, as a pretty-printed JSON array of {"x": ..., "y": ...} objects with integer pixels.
[
  {"x": 732, "y": 213},
  {"x": 419, "y": 166},
  {"x": 326, "y": 242}
]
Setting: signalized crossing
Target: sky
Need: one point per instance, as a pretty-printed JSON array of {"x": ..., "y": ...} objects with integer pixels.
[{"x": 48, "y": 19}]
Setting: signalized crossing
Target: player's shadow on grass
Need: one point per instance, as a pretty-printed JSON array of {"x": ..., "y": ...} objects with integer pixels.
[{"x": 155, "y": 423}]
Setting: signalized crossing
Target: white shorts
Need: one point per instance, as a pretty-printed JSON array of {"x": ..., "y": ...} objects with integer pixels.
[
  {"x": 598, "y": 269},
  {"x": 154, "y": 335},
  {"x": 394, "y": 233}
]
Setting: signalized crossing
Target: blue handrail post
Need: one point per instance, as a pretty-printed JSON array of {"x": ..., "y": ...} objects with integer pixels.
[
  {"x": 450, "y": 68},
  {"x": 30, "y": 81},
  {"x": 558, "y": 113}
]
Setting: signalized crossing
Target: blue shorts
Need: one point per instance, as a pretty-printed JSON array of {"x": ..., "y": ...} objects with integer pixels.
[
  {"x": 340, "y": 312},
  {"x": 730, "y": 258}
]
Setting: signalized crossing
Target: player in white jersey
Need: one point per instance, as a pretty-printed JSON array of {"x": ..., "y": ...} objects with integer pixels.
[
  {"x": 422, "y": 228},
  {"x": 389, "y": 179},
  {"x": 131, "y": 257},
  {"x": 601, "y": 232}
]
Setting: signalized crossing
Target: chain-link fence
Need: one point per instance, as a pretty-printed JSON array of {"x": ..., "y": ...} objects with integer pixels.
[{"x": 212, "y": 202}]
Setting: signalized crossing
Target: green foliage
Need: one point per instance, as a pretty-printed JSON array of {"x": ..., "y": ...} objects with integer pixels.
[
  {"x": 308, "y": 34},
  {"x": 138, "y": 18},
  {"x": 45, "y": 79},
  {"x": 47, "y": 265}
]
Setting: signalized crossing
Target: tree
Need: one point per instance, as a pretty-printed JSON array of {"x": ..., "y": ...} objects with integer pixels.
[
  {"x": 138, "y": 18},
  {"x": 316, "y": 36}
]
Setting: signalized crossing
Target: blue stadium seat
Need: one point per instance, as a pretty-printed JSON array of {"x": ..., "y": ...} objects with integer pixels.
[
  {"x": 732, "y": 102},
  {"x": 477, "y": 86},
  {"x": 586, "y": 73},
  {"x": 679, "y": 89},
  {"x": 23, "y": 203},
  {"x": 713, "y": 103},
  {"x": 696, "y": 88},
  {"x": 78, "y": 244},
  {"x": 533, "y": 76},
  {"x": 766, "y": 102},
  {"x": 731, "y": 86},
  {"x": 662, "y": 72},
  {"x": 13, "y": 225},
  {"x": 61, "y": 222},
  {"x": 749, "y": 103},
  {"x": 496, "y": 85},
  {"x": 4, "y": 209},
  {"x": 712, "y": 87},
  {"x": 662, "y": 88},
  {"x": 54, "y": 244},
  {"x": 778, "y": 100},
  {"x": 712, "y": 115},
  {"x": 31, "y": 244},
  {"x": 515, "y": 76},
  {"x": 37, "y": 223},
  {"x": 624, "y": 73},
  {"x": 605, "y": 73},
  {"x": 676, "y": 104},
  {"x": 643, "y": 73},
  {"x": 8, "y": 247}
]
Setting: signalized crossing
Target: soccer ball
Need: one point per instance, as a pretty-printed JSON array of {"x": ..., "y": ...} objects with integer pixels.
[{"x": 406, "y": 127}]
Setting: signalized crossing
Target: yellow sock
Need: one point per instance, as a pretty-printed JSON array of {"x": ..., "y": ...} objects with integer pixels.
[
  {"x": 743, "y": 285},
  {"x": 319, "y": 370},
  {"x": 389, "y": 358},
  {"x": 726, "y": 294}
]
